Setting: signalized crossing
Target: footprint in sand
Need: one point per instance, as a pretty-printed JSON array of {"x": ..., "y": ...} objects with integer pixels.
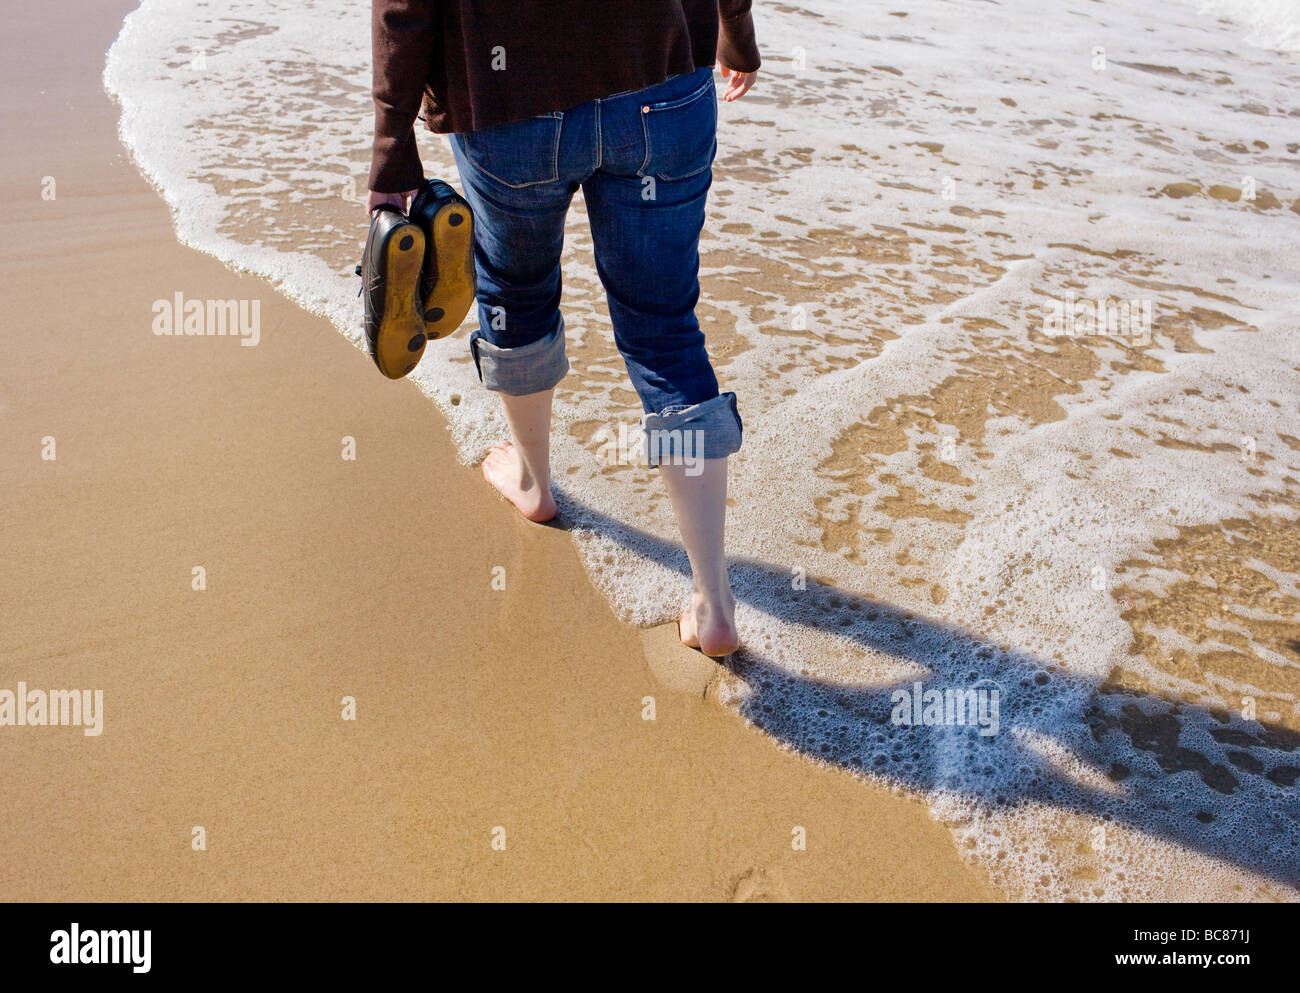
[
  {"x": 677, "y": 667},
  {"x": 759, "y": 885}
]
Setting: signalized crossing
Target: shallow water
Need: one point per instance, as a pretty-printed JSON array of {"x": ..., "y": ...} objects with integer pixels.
[{"x": 934, "y": 485}]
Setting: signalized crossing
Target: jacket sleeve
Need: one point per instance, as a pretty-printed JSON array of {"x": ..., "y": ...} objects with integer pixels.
[
  {"x": 402, "y": 37},
  {"x": 737, "y": 48}
]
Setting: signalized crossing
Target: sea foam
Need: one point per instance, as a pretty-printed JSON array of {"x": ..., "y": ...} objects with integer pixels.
[
  {"x": 931, "y": 486},
  {"x": 1272, "y": 23}
]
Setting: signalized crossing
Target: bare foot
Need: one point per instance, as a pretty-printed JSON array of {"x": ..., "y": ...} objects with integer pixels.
[
  {"x": 505, "y": 470},
  {"x": 710, "y": 626}
]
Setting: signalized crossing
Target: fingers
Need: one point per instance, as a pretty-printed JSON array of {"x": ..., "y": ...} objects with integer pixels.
[
  {"x": 399, "y": 200},
  {"x": 739, "y": 85},
  {"x": 377, "y": 200}
]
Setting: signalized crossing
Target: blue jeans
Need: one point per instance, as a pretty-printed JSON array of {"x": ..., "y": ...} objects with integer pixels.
[{"x": 644, "y": 162}]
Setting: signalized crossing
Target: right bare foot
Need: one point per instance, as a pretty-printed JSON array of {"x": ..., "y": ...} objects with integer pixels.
[
  {"x": 710, "y": 626},
  {"x": 504, "y": 469}
]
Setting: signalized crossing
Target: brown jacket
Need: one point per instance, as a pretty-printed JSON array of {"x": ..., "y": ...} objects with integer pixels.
[{"x": 471, "y": 64}]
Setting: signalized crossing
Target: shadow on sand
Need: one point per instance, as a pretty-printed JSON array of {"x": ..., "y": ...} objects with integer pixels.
[{"x": 1202, "y": 778}]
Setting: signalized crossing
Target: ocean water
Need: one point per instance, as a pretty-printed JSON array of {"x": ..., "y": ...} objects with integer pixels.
[
  {"x": 948, "y": 476},
  {"x": 1273, "y": 24}
]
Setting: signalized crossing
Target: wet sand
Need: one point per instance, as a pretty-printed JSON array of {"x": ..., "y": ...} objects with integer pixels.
[{"x": 476, "y": 708}]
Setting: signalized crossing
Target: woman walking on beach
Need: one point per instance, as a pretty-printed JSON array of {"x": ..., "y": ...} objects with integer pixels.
[{"x": 542, "y": 99}]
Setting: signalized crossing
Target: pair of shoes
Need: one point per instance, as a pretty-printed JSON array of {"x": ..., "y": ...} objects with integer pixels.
[{"x": 417, "y": 275}]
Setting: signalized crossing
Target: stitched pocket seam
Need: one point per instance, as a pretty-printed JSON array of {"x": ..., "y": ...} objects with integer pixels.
[
  {"x": 681, "y": 102},
  {"x": 558, "y": 117}
]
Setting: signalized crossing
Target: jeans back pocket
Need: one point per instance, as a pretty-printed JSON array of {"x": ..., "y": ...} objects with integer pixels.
[
  {"x": 681, "y": 134},
  {"x": 518, "y": 154}
]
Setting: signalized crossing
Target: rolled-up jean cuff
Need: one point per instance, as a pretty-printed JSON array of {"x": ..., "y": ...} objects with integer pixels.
[
  {"x": 520, "y": 371},
  {"x": 682, "y": 435}
]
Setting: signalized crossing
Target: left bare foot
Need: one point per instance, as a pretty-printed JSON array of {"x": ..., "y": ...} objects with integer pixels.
[
  {"x": 505, "y": 470},
  {"x": 710, "y": 626}
]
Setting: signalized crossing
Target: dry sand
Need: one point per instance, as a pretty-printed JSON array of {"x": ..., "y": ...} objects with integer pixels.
[{"x": 476, "y": 708}]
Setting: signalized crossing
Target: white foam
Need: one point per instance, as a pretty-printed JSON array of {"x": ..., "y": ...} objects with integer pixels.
[
  {"x": 847, "y": 220},
  {"x": 1273, "y": 23}
]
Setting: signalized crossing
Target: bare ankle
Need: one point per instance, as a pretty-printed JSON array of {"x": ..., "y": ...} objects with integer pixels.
[{"x": 715, "y": 598}]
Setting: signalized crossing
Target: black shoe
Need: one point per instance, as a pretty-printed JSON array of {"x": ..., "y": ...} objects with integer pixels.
[
  {"x": 390, "y": 282},
  {"x": 448, "y": 286}
]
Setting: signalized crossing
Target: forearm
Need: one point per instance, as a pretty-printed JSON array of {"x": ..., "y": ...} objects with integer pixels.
[{"x": 402, "y": 35}]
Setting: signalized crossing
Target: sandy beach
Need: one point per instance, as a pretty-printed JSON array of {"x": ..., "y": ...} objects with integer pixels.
[
  {"x": 481, "y": 713},
  {"x": 1008, "y": 296}
]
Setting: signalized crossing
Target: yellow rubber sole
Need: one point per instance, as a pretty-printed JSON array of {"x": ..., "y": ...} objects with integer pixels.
[
  {"x": 401, "y": 340},
  {"x": 453, "y": 248}
]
